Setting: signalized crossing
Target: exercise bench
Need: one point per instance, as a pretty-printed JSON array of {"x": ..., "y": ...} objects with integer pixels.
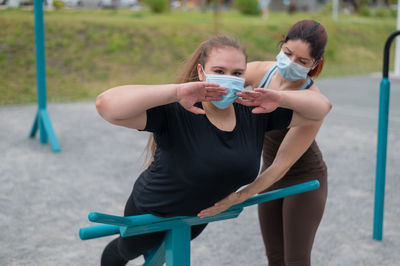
[{"x": 175, "y": 249}]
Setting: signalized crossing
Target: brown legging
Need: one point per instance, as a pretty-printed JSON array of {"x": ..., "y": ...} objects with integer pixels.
[{"x": 289, "y": 225}]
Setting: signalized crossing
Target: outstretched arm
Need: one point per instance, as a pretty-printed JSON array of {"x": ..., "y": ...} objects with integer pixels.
[
  {"x": 308, "y": 105},
  {"x": 127, "y": 105},
  {"x": 293, "y": 146}
]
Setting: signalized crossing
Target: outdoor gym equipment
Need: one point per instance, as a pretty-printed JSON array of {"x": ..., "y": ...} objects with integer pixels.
[
  {"x": 382, "y": 141},
  {"x": 175, "y": 249},
  {"x": 42, "y": 120}
]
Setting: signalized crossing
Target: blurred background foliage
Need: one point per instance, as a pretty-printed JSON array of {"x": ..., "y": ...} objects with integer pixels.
[{"x": 88, "y": 51}]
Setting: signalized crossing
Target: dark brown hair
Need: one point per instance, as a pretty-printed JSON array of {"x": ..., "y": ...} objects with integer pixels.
[
  {"x": 189, "y": 72},
  {"x": 315, "y": 35}
]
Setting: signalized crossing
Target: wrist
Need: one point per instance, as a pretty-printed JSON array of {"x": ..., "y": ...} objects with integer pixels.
[
  {"x": 178, "y": 92},
  {"x": 282, "y": 102},
  {"x": 241, "y": 196}
]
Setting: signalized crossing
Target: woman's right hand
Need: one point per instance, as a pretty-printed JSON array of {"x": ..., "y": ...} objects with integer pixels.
[
  {"x": 264, "y": 100},
  {"x": 193, "y": 92}
]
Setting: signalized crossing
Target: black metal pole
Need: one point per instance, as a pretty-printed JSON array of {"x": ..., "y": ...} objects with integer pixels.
[{"x": 386, "y": 53}]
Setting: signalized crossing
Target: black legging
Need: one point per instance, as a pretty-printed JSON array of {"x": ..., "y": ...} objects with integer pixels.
[
  {"x": 289, "y": 225},
  {"x": 123, "y": 249}
]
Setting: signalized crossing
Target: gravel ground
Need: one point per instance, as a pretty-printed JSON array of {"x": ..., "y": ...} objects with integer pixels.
[{"x": 45, "y": 197}]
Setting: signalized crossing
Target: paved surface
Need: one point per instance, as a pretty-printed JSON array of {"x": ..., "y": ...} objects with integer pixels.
[{"x": 45, "y": 197}]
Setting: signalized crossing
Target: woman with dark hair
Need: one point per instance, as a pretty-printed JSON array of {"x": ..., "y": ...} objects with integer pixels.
[
  {"x": 207, "y": 145},
  {"x": 289, "y": 225}
]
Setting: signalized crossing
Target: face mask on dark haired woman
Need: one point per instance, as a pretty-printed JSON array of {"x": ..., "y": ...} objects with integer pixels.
[
  {"x": 231, "y": 83},
  {"x": 290, "y": 70}
]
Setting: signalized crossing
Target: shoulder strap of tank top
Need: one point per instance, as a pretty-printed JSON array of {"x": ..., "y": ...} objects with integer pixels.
[
  {"x": 309, "y": 82},
  {"x": 267, "y": 77}
]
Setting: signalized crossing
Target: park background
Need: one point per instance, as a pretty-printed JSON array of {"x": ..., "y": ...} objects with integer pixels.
[
  {"x": 90, "y": 50},
  {"x": 45, "y": 197}
]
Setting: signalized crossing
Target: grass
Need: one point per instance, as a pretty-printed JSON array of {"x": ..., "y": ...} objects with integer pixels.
[{"x": 88, "y": 51}]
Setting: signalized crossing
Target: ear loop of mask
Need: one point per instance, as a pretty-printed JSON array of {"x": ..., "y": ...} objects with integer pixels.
[{"x": 315, "y": 63}]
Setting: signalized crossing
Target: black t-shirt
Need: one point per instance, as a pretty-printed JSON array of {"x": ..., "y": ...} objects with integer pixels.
[{"x": 195, "y": 163}]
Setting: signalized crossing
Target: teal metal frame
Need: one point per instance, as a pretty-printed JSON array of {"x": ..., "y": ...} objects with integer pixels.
[
  {"x": 381, "y": 154},
  {"x": 42, "y": 120},
  {"x": 175, "y": 249}
]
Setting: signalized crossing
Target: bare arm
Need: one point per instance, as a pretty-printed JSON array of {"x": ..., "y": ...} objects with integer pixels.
[
  {"x": 255, "y": 72},
  {"x": 309, "y": 106},
  {"x": 127, "y": 105},
  {"x": 293, "y": 146}
]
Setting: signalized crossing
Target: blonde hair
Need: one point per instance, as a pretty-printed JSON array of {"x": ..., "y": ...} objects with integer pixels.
[{"x": 189, "y": 73}]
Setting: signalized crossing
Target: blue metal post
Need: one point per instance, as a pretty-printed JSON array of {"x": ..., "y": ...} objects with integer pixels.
[
  {"x": 42, "y": 120},
  {"x": 40, "y": 54},
  {"x": 177, "y": 250},
  {"x": 381, "y": 158},
  {"x": 99, "y": 231},
  {"x": 279, "y": 193},
  {"x": 156, "y": 256},
  {"x": 382, "y": 142}
]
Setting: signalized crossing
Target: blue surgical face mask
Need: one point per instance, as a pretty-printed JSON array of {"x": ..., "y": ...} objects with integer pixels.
[
  {"x": 290, "y": 70},
  {"x": 231, "y": 83}
]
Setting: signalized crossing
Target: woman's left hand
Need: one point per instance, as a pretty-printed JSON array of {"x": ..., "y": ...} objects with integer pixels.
[
  {"x": 264, "y": 100},
  {"x": 221, "y": 205}
]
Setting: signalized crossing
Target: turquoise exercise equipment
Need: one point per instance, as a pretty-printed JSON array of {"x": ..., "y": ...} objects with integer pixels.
[
  {"x": 382, "y": 141},
  {"x": 175, "y": 249},
  {"x": 42, "y": 120}
]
